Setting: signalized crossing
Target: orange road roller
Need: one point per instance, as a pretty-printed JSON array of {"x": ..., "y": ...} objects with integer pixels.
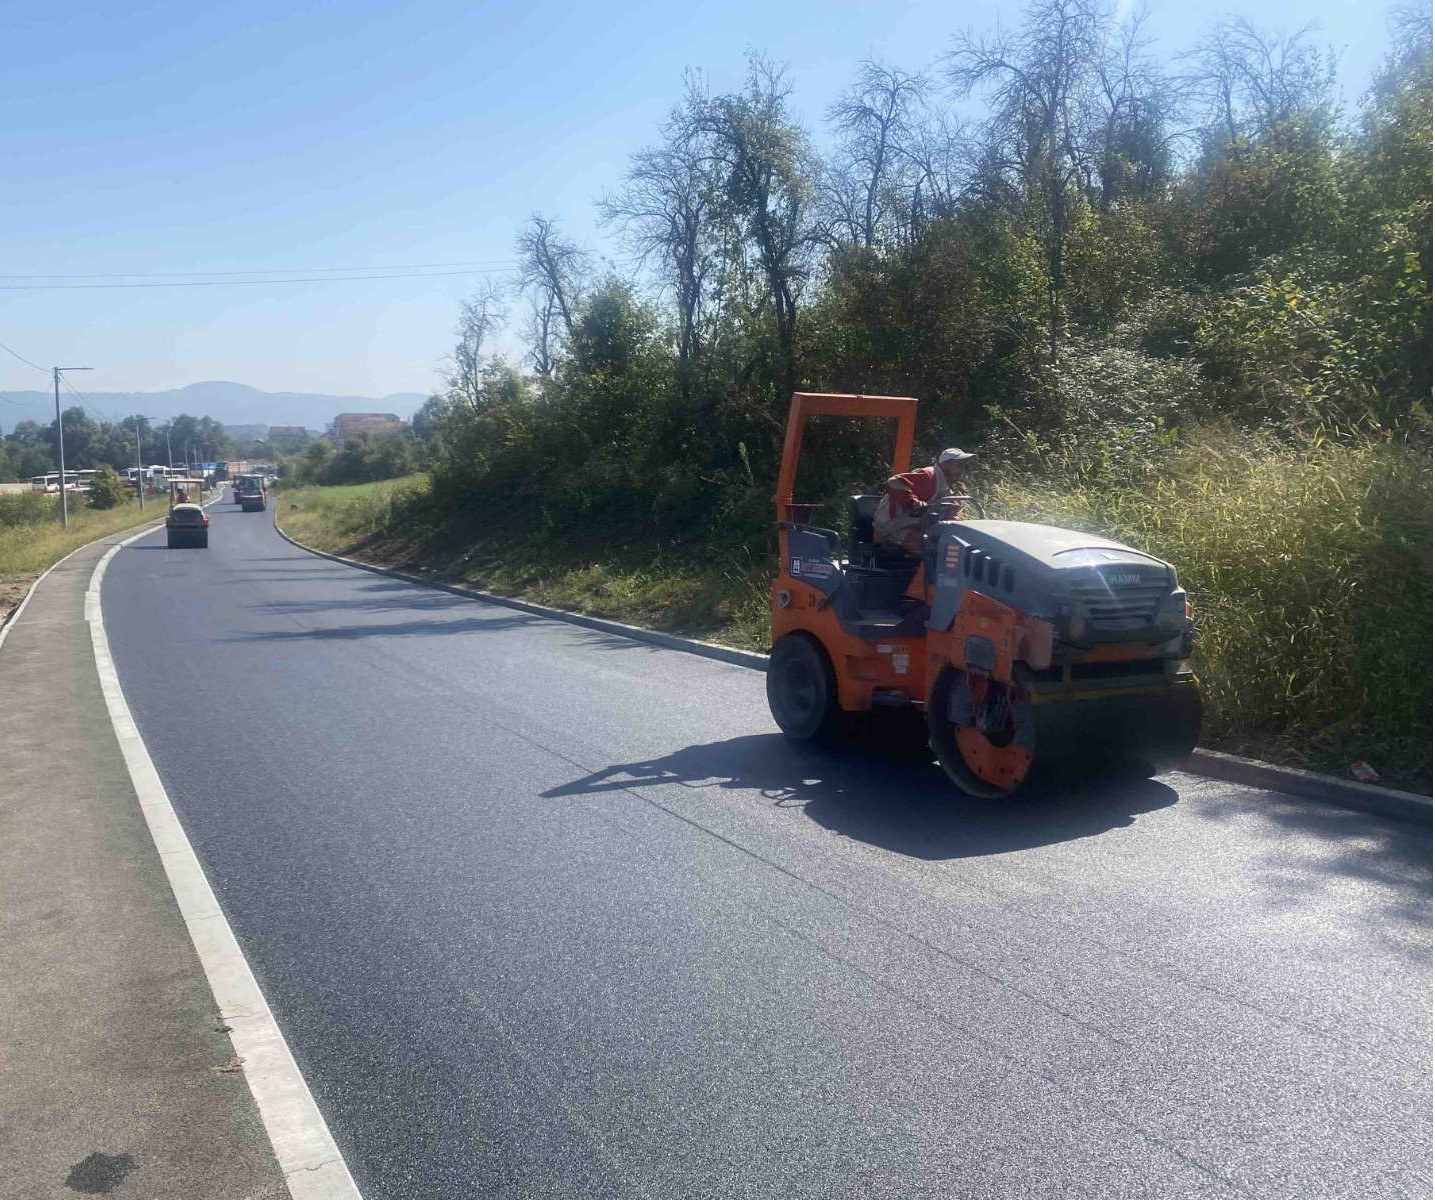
[{"x": 1028, "y": 650}]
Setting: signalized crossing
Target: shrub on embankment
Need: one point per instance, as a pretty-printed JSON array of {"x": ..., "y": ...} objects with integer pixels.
[{"x": 1309, "y": 569}]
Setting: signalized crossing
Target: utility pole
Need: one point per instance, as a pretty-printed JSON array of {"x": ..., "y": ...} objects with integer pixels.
[
  {"x": 60, "y": 443},
  {"x": 168, "y": 450},
  {"x": 139, "y": 464}
]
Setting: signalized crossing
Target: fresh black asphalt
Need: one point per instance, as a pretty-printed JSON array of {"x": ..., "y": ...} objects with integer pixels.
[{"x": 547, "y": 912}]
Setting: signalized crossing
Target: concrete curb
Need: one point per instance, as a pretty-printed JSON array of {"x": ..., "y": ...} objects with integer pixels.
[
  {"x": 1363, "y": 797},
  {"x": 1346, "y": 793}
]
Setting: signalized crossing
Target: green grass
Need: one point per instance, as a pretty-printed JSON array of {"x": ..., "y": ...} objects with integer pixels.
[
  {"x": 331, "y": 518},
  {"x": 1309, "y": 571},
  {"x": 33, "y": 540}
]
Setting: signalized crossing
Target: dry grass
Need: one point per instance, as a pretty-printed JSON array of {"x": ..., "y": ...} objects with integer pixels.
[{"x": 1310, "y": 573}]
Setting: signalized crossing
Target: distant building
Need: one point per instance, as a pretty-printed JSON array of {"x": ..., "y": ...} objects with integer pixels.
[
  {"x": 351, "y": 425},
  {"x": 287, "y": 438}
]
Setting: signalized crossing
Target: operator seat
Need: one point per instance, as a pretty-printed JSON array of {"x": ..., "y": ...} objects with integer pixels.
[
  {"x": 877, "y": 575},
  {"x": 862, "y": 548},
  {"x": 860, "y": 511}
]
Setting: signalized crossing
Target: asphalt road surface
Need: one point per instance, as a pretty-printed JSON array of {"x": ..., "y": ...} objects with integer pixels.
[{"x": 546, "y": 912}]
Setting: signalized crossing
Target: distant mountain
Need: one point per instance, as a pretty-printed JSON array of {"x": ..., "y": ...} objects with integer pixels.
[{"x": 227, "y": 402}]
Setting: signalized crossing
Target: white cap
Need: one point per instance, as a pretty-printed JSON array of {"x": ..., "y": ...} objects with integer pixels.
[{"x": 954, "y": 454}]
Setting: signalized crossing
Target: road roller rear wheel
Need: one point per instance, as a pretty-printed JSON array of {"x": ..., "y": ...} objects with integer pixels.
[{"x": 802, "y": 690}]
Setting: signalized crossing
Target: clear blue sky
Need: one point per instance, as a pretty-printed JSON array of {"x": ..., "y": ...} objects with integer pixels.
[{"x": 184, "y": 137}]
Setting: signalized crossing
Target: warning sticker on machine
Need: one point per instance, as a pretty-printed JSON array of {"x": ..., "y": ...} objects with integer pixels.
[
  {"x": 952, "y": 556},
  {"x": 813, "y": 568}
]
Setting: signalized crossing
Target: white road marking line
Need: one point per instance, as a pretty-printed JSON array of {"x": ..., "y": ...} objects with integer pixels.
[{"x": 312, "y": 1165}]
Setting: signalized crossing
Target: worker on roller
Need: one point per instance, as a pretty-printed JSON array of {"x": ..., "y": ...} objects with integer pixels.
[{"x": 898, "y": 520}]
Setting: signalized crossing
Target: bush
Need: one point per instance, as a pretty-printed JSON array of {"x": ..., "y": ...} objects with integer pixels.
[
  {"x": 107, "y": 490},
  {"x": 27, "y": 508}
]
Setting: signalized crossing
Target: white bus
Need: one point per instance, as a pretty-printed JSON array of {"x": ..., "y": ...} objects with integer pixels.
[{"x": 75, "y": 481}]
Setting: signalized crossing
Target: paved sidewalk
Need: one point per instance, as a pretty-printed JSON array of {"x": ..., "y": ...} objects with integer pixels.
[{"x": 111, "y": 1053}]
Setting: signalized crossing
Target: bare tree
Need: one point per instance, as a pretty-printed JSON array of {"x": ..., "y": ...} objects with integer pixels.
[
  {"x": 868, "y": 177},
  {"x": 1254, "y": 80},
  {"x": 481, "y": 316},
  {"x": 551, "y": 274},
  {"x": 1039, "y": 81},
  {"x": 938, "y": 151},
  {"x": 1132, "y": 107},
  {"x": 670, "y": 209}
]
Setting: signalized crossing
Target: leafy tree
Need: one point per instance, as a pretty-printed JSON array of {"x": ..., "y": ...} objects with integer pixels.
[
  {"x": 370, "y": 457},
  {"x": 82, "y": 439},
  {"x": 313, "y": 461},
  {"x": 1112, "y": 250},
  {"x": 27, "y": 452},
  {"x": 427, "y": 426}
]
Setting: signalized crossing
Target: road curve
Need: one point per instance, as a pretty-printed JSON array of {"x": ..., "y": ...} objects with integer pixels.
[{"x": 548, "y": 912}]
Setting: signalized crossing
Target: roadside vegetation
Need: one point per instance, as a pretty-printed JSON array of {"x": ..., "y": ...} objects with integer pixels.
[
  {"x": 363, "y": 459},
  {"x": 1183, "y": 303},
  {"x": 33, "y": 540},
  {"x": 1309, "y": 570},
  {"x": 396, "y": 524}
]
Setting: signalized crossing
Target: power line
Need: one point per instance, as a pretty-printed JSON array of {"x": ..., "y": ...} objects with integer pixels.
[
  {"x": 22, "y": 358},
  {"x": 53, "y": 287},
  {"x": 28, "y": 363},
  {"x": 98, "y": 413},
  {"x": 465, "y": 265}
]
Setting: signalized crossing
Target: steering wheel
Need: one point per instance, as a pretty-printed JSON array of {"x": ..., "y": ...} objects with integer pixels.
[{"x": 949, "y": 501}]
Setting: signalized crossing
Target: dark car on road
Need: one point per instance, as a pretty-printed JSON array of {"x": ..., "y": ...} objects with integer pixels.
[{"x": 187, "y": 525}]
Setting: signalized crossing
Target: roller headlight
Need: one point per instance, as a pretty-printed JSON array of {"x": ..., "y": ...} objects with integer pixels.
[{"x": 1175, "y": 613}]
